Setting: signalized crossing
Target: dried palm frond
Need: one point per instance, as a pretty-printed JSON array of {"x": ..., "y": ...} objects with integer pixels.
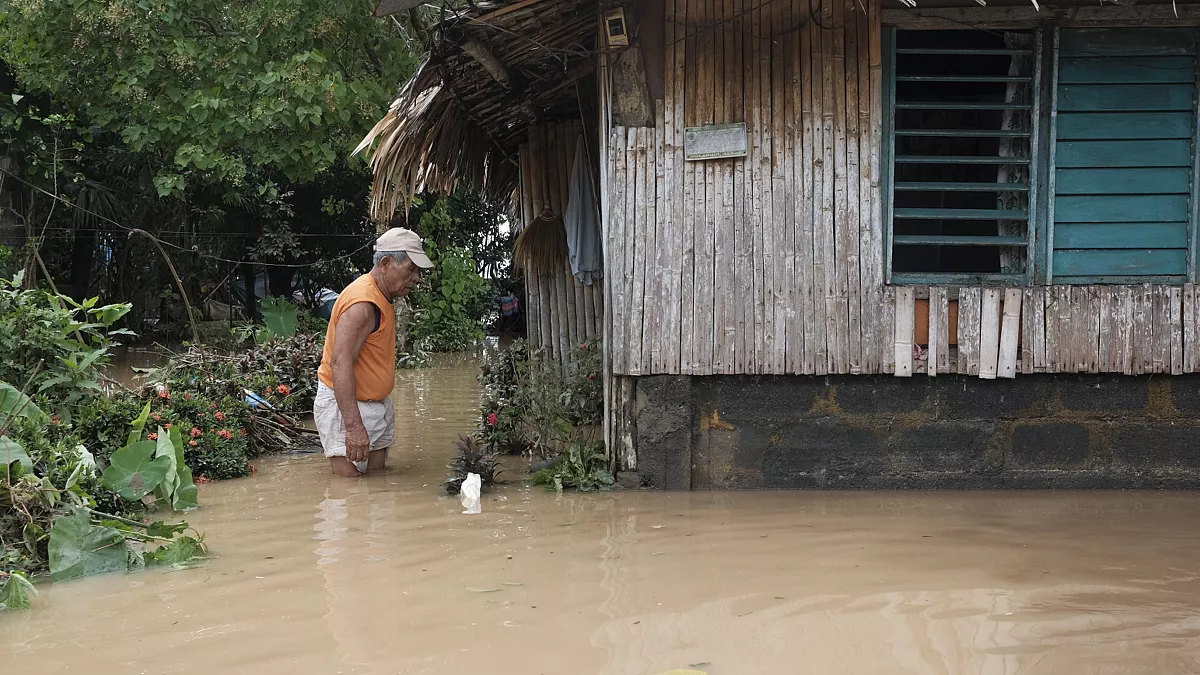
[{"x": 543, "y": 243}]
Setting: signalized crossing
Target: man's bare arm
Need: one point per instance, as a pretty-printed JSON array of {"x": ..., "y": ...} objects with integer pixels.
[{"x": 353, "y": 328}]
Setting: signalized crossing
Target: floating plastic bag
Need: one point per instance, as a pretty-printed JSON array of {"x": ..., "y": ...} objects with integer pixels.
[{"x": 470, "y": 494}]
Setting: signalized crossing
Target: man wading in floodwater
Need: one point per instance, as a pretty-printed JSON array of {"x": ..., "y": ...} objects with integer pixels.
[{"x": 353, "y": 409}]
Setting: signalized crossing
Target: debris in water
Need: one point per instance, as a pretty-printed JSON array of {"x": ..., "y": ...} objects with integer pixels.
[
  {"x": 483, "y": 590},
  {"x": 511, "y": 583},
  {"x": 470, "y": 495}
]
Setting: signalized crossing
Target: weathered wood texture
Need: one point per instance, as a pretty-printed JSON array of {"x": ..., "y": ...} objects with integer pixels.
[
  {"x": 561, "y": 312},
  {"x": 767, "y": 263},
  {"x": 772, "y": 263}
]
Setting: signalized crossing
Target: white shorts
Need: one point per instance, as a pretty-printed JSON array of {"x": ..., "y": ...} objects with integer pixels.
[{"x": 379, "y": 417}]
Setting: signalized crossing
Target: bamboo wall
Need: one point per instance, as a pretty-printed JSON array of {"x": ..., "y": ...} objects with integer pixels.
[
  {"x": 773, "y": 263},
  {"x": 561, "y": 312}
]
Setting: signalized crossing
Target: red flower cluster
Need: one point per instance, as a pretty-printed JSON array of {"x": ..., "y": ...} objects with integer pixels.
[
  {"x": 152, "y": 436},
  {"x": 192, "y": 443},
  {"x": 270, "y": 390},
  {"x": 225, "y": 434},
  {"x": 202, "y": 479},
  {"x": 164, "y": 394},
  {"x": 493, "y": 420},
  {"x": 220, "y": 416},
  {"x": 284, "y": 390},
  {"x": 196, "y": 433}
]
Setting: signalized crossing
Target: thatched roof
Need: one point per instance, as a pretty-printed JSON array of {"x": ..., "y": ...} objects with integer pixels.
[{"x": 491, "y": 71}]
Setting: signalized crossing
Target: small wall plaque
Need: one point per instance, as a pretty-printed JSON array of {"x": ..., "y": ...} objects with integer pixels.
[{"x": 714, "y": 142}]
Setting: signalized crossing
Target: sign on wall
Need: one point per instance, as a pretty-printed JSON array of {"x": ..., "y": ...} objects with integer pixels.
[{"x": 714, "y": 142}]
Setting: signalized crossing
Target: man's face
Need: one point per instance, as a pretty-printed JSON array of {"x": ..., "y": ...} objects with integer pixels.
[{"x": 400, "y": 277}]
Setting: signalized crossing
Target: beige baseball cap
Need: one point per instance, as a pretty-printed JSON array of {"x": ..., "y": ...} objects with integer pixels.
[{"x": 401, "y": 239}]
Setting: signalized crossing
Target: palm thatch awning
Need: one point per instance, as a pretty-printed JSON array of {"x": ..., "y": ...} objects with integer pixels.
[{"x": 492, "y": 70}]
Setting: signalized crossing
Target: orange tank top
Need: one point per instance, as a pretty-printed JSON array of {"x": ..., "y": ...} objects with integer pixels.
[{"x": 375, "y": 368}]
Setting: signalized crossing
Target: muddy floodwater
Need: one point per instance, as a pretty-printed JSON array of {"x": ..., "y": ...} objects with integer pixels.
[{"x": 322, "y": 575}]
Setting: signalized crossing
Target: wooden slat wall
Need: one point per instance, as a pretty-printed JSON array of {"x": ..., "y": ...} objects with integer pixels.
[
  {"x": 773, "y": 263},
  {"x": 768, "y": 263},
  {"x": 561, "y": 312}
]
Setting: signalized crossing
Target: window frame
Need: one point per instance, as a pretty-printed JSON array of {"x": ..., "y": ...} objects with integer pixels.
[{"x": 1043, "y": 139}]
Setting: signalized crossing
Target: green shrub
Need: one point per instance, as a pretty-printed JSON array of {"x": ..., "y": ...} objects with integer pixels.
[
  {"x": 453, "y": 302},
  {"x": 532, "y": 403},
  {"x": 583, "y": 466}
]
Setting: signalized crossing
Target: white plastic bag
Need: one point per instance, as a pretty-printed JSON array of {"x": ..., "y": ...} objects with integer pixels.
[{"x": 470, "y": 495}]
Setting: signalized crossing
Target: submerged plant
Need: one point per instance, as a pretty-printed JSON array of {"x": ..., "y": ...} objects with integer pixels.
[
  {"x": 583, "y": 466},
  {"x": 474, "y": 456}
]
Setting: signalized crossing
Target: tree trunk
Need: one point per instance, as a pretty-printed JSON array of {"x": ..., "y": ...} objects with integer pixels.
[
  {"x": 251, "y": 301},
  {"x": 82, "y": 255}
]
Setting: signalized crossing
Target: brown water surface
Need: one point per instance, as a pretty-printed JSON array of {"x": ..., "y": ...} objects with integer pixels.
[{"x": 316, "y": 574}]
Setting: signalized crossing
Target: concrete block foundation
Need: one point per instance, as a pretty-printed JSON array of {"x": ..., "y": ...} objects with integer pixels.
[{"x": 874, "y": 432}]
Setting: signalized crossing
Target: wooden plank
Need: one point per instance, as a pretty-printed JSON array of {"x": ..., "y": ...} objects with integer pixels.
[
  {"x": 638, "y": 262},
  {"x": 651, "y": 312},
  {"x": 1041, "y": 362},
  {"x": 1030, "y": 16},
  {"x": 872, "y": 251},
  {"x": 1120, "y": 235},
  {"x": 940, "y": 311},
  {"x": 780, "y": 223},
  {"x": 690, "y": 97},
  {"x": 843, "y": 235},
  {"x": 1027, "y": 332},
  {"x": 1124, "y": 97},
  {"x": 673, "y": 90},
  {"x": 625, "y": 174},
  {"x": 805, "y": 240},
  {"x": 904, "y": 331},
  {"x": 763, "y": 253},
  {"x": 852, "y": 221},
  {"x": 970, "y": 316},
  {"x": 888, "y": 323},
  {"x": 934, "y": 333},
  {"x": 1143, "y": 344},
  {"x": 989, "y": 333},
  {"x": 1140, "y": 262},
  {"x": 1131, "y": 209},
  {"x": 1189, "y": 328},
  {"x": 1146, "y": 41},
  {"x": 1010, "y": 333},
  {"x": 794, "y": 224},
  {"x": 1175, "y": 298},
  {"x": 1126, "y": 70},
  {"x": 1075, "y": 126},
  {"x": 710, "y": 205},
  {"x": 1107, "y": 332},
  {"x": 1161, "y": 323},
  {"x": 1126, "y": 181},
  {"x": 1123, "y": 154},
  {"x": 724, "y": 324},
  {"x": 834, "y": 325},
  {"x": 1125, "y": 304}
]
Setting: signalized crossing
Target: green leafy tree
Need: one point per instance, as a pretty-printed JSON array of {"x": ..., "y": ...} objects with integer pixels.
[{"x": 210, "y": 90}]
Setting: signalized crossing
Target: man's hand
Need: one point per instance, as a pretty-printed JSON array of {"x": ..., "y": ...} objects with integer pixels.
[{"x": 358, "y": 443}]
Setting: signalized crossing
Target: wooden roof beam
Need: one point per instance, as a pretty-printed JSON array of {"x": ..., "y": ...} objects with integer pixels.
[{"x": 485, "y": 58}]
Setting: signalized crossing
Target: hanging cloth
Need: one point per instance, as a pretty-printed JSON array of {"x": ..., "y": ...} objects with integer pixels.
[{"x": 581, "y": 223}]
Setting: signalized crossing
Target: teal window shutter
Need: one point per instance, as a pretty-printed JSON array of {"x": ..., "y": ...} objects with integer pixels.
[{"x": 1123, "y": 151}]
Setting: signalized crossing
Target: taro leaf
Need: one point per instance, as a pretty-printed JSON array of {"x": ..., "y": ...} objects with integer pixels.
[
  {"x": 186, "y": 494},
  {"x": 13, "y": 402},
  {"x": 80, "y": 549},
  {"x": 16, "y": 592},
  {"x": 179, "y": 552},
  {"x": 133, "y": 471},
  {"x": 161, "y": 529},
  {"x": 11, "y": 451},
  {"x": 165, "y": 448},
  {"x": 280, "y": 317},
  {"x": 33, "y": 534},
  {"x": 138, "y": 425}
]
